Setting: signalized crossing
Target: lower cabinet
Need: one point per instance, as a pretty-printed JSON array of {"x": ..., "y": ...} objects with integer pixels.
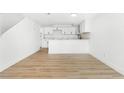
[{"x": 44, "y": 43}]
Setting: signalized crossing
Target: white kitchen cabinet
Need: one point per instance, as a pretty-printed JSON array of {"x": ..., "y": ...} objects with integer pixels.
[
  {"x": 82, "y": 27},
  {"x": 44, "y": 43},
  {"x": 48, "y": 30},
  {"x": 64, "y": 30},
  {"x": 57, "y": 33},
  {"x": 69, "y": 30}
]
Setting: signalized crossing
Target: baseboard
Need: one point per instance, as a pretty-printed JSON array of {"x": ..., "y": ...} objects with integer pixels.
[
  {"x": 114, "y": 67},
  {"x": 121, "y": 71},
  {"x": 13, "y": 63}
]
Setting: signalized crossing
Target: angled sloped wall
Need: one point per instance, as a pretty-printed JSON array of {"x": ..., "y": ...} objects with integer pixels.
[
  {"x": 8, "y": 20},
  {"x": 19, "y": 42}
]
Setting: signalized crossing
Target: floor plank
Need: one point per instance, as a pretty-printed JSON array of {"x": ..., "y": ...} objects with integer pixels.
[{"x": 42, "y": 65}]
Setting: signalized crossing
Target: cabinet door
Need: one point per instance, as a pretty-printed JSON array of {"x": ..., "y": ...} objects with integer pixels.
[
  {"x": 48, "y": 30},
  {"x": 66, "y": 30},
  {"x": 44, "y": 43},
  {"x": 69, "y": 30}
]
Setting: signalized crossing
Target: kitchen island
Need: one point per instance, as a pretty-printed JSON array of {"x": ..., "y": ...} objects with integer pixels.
[{"x": 79, "y": 46}]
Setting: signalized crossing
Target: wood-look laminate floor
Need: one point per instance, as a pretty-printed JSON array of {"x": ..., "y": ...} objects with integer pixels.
[{"x": 63, "y": 66}]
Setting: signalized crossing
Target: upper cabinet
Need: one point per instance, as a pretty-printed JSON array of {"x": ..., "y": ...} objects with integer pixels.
[
  {"x": 69, "y": 30},
  {"x": 48, "y": 30},
  {"x": 84, "y": 32},
  {"x": 60, "y": 30},
  {"x": 85, "y": 26},
  {"x": 82, "y": 27}
]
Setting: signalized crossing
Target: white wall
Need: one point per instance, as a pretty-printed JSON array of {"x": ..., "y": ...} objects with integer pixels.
[
  {"x": 107, "y": 39},
  {"x": 19, "y": 42},
  {"x": 68, "y": 46}
]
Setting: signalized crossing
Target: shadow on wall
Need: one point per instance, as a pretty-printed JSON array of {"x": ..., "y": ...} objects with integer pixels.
[{"x": 8, "y": 20}]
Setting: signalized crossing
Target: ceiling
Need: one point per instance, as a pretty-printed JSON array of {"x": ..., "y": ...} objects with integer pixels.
[
  {"x": 45, "y": 19},
  {"x": 8, "y": 20}
]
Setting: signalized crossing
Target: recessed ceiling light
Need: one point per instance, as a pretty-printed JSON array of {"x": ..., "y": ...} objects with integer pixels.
[{"x": 74, "y": 15}]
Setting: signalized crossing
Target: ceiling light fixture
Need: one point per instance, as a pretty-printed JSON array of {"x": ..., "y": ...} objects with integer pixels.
[
  {"x": 48, "y": 13},
  {"x": 73, "y": 14}
]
